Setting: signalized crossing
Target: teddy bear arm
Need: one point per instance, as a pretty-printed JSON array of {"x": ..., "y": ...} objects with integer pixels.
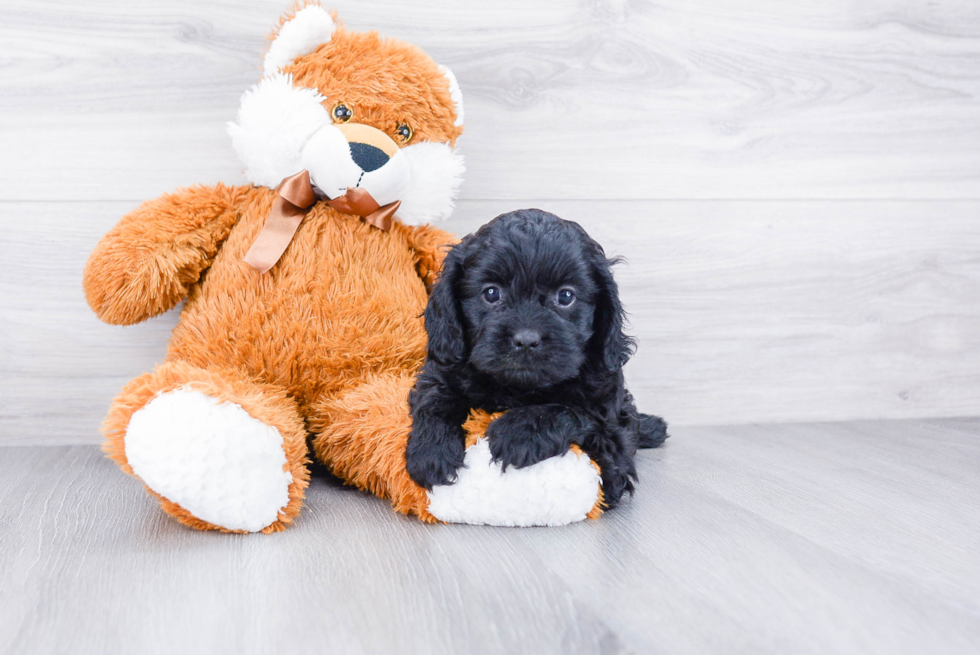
[
  {"x": 430, "y": 246},
  {"x": 145, "y": 265}
]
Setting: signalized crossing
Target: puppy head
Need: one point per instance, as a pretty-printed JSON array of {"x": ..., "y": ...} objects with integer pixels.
[
  {"x": 529, "y": 299},
  {"x": 355, "y": 110}
]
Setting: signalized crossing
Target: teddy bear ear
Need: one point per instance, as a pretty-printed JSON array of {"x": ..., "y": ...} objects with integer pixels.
[
  {"x": 454, "y": 93},
  {"x": 310, "y": 27}
]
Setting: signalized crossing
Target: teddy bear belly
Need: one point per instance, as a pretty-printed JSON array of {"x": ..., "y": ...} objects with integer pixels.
[{"x": 315, "y": 324}]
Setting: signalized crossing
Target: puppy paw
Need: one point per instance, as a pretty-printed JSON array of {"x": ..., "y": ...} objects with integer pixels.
[
  {"x": 435, "y": 452},
  {"x": 525, "y": 436},
  {"x": 652, "y": 431}
]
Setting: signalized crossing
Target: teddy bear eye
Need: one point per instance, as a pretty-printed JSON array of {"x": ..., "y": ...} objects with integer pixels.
[
  {"x": 404, "y": 132},
  {"x": 341, "y": 113}
]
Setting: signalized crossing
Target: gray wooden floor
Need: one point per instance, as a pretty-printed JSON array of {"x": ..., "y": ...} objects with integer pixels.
[{"x": 857, "y": 537}]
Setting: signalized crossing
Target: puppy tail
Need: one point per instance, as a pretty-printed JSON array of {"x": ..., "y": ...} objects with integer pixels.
[{"x": 652, "y": 431}]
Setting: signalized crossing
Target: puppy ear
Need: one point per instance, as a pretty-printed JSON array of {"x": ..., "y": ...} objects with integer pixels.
[
  {"x": 443, "y": 318},
  {"x": 609, "y": 342}
]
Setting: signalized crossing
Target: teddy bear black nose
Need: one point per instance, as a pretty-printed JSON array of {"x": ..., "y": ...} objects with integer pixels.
[{"x": 368, "y": 157}]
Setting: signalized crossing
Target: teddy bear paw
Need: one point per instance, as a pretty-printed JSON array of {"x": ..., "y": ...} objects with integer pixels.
[
  {"x": 555, "y": 491},
  {"x": 210, "y": 457}
]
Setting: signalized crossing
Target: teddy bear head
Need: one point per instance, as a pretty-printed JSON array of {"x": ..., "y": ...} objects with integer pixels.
[{"x": 355, "y": 110}]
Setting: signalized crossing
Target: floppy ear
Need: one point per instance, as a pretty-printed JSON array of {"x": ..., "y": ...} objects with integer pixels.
[
  {"x": 443, "y": 319},
  {"x": 609, "y": 343}
]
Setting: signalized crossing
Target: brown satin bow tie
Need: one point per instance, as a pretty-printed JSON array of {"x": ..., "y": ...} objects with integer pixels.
[{"x": 295, "y": 198}]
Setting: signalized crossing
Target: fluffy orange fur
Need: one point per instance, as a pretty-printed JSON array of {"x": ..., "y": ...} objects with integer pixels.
[
  {"x": 337, "y": 320},
  {"x": 325, "y": 346},
  {"x": 265, "y": 402},
  {"x": 362, "y": 437},
  {"x": 385, "y": 82},
  {"x": 341, "y": 310}
]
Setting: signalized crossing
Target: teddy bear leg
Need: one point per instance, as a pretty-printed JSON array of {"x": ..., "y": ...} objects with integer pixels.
[
  {"x": 556, "y": 491},
  {"x": 219, "y": 451},
  {"x": 362, "y": 434}
]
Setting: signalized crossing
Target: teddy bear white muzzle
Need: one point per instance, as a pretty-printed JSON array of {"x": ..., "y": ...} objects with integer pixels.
[{"x": 354, "y": 155}]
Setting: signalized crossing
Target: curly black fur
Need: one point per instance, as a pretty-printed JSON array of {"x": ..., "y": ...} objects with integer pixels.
[{"x": 555, "y": 367}]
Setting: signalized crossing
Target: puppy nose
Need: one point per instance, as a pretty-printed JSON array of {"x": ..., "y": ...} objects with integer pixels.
[{"x": 527, "y": 339}]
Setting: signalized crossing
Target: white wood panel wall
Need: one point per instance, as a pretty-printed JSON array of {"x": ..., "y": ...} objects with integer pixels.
[{"x": 795, "y": 184}]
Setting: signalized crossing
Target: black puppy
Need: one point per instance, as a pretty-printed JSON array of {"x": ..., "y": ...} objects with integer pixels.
[{"x": 526, "y": 318}]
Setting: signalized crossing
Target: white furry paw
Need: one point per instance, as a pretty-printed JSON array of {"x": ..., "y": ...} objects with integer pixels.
[
  {"x": 556, "y": 491},
  {"x": 210, "y": 457}
]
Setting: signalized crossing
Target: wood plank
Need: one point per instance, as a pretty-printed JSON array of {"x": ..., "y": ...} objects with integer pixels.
[
  {"x": 875, "y": 492},
  {"x": 611, "y": 100},
  {"x": 761, "y": 528},
  {"x": 89, "y": 564},
  {"x": 844, "y": 538},
  {"x": 744, "y": 311}
]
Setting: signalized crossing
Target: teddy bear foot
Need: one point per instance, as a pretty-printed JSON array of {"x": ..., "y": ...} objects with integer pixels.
[
  {"x": 556, "y": 491},
  {"x": 210, "y": 458}
]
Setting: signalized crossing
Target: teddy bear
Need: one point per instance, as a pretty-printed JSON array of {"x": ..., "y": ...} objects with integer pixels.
[{"x": 301, "y": 332}]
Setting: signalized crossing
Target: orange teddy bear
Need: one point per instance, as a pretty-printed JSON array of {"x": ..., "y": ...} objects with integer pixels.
[{"x": 304, "y": 291}]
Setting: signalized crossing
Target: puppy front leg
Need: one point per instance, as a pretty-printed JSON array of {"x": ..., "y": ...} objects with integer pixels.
[
  {"x": 527, "y": 435},
  {"x": 613, "y": 448},
  {"x": 436, "y": 444},
  {"x": 435, "y": 449}
]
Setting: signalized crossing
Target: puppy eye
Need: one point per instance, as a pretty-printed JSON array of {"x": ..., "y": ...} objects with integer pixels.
[
  {"x": 491, "y": 294},
  {"x": 404, "y": 132},
  {"x": 565, "y": 297},
  {"x": 341, "y": 113}
]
